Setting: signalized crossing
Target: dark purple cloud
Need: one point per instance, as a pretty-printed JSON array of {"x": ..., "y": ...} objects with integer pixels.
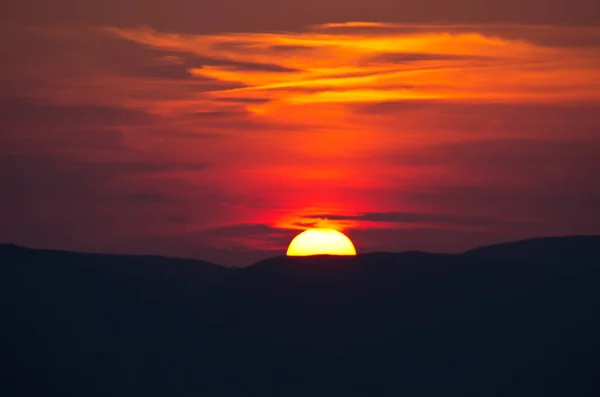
[
  {"x": 416, "y": 218},
  {"x": 443, "y": 240},
  {"x": 407, "y": 57}
]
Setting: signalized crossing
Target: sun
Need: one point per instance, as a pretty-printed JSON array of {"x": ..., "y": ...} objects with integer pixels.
[{"x": 321, "y": 242}]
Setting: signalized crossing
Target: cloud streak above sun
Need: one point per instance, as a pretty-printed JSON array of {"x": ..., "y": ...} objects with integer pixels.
[{"x": 393, "y": 132}]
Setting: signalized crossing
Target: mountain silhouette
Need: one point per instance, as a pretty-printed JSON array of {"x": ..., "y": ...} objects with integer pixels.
[{"x": 514, "y": 319}]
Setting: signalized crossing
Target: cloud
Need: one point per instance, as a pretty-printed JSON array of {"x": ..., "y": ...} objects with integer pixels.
[
  {"x": 547, "y": 35},
  {"x": 550, "y": 211},
  {"x": 305, "y": 224},
  {"x": 243, "y": 100},
  {"x": 414, "y": 218},
  {"x": 407, "y": 57},
  {"x": 292, "y": 48},
  {"x": 197, "y": 62},
  {"x": 281, "y": 73},
  {"x": 428, "y": 239},
  {"x": 332, "y": 65}
]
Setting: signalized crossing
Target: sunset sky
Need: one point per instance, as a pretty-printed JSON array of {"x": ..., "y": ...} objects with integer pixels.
[{"x": 220, "y": 130}]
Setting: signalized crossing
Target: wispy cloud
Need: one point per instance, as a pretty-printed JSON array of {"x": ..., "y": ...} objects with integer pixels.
[
  {"x": 417, "y": 218},
  {"x": 373, "y": 62}
]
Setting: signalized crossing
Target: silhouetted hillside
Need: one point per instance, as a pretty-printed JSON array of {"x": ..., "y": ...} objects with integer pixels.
[
  {"x": 579, "y": 248},
  {"x": 516, "y": 319}
]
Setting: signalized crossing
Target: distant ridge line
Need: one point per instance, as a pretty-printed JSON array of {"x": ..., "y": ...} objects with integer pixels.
[{"x": 545, "y": 243}]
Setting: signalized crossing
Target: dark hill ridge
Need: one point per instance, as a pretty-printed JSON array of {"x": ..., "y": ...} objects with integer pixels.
[
  {"x": 515, "y": 319},
  {"x": 573, "y": 246},
  {"x": 579, "y": 248}
]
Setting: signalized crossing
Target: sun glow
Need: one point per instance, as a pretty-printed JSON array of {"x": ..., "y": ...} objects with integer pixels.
[{"x": 321, "y": 242}]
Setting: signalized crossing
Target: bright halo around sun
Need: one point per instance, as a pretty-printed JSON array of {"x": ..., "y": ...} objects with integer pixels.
[{"x": 321, "y": 242}]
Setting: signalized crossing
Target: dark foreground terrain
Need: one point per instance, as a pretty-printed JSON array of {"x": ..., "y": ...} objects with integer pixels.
[{"x": 518, "y": 319}]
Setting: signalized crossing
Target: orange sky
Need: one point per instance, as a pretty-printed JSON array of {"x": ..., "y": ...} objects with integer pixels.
[{"x": 223, "y": 145}]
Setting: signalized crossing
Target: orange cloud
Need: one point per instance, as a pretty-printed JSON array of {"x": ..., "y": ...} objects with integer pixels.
[{"x": 323, "y": 65}]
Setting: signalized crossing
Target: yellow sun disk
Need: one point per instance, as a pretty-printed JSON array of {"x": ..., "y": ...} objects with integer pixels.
[{"x": 321, "y": 242}]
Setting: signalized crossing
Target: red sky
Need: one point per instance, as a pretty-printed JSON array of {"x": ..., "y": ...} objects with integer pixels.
[{"x": 220, "y": 131}]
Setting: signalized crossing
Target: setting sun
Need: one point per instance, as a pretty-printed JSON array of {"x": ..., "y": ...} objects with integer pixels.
[{"x": 321, "y": 242}]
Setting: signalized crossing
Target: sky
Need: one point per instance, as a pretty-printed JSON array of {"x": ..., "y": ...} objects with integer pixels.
[{"x": 220, "y": 130}]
